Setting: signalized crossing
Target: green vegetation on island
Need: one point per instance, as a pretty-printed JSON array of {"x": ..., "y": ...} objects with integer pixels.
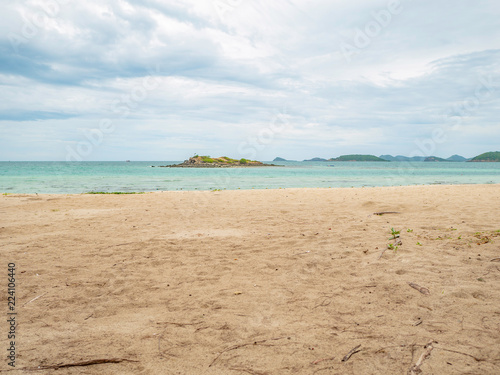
[
  {"x": 456, "y": 158},
  {"x": 357, "y": 158},
  {"x": 493, "y": 156},
  {"x": 402, "y": 158},
  {"x": 220, "y": 162},
  {"x": 435, "y": 158},
  {"x": 316, "y": 159}
]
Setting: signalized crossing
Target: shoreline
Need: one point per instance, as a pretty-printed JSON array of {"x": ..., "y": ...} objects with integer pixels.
[{"x": 244, "y": 189}]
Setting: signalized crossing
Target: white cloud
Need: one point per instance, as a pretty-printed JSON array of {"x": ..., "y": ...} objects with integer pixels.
[{"x": 225, "y": 74}]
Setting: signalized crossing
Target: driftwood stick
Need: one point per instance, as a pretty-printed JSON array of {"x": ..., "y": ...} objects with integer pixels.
[
  {"x": 178, "y": 324},
  {"x": 159, "y": 345},
  {"x": 83, "y": 363},
  {"x": 421, "y": 289},
  {"x": 385, "y": 213},
  {"x": 353, "y": 351},
  {"x": 382, "y": 253},
  {"x": 234, "y": 347},
  {"x": 415, "y": 369},
  {"x": 468, "y": 355},
  {"x": 34, "y": 299},
  {"x": 322, "y": 359}
]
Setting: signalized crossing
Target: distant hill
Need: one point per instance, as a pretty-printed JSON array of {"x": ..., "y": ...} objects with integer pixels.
[
  {"x": 357, "y": 158},
  {"x": 280, "y": 159},
  {"x": 487, "y": 157},
  {"x": 421, "y": 158},
  {"x": 316, "y": 159},
  {"x": 402, "y": 158},
  {"x": 456, "y": 158},
  {"x": 435, "y": 158}
]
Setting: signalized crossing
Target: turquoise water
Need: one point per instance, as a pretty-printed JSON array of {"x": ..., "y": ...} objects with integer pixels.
[{"x": 81, "y": 177}]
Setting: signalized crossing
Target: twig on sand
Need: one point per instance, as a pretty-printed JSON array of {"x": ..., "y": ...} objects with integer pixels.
[
  {"x": 178, "y": 324},
  {"x": 305, "y": 252},
  {"x": 353, "y": 351},
  {"x": 421, "y": 289},
  {"x": 495, "y": 260},
  {"x": 88, "y": 317},
  {"x": 385, "y": 213},
  {"x": 159, "y": 345},
  {"x": 382, "y": 253},
  {"x": 322, "y": 359},
  {"x": 243, "y": 345},
  {"x": 77, "y": 364},
  {"x": 468, "y": 355},
  {"x": 34, "y": 299},
  {"x": 251, "y": 372},
  {"x": 415, "y": 369}
]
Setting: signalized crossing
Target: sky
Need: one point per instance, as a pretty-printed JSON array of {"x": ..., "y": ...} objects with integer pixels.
[{"x": 167, "y": 79}]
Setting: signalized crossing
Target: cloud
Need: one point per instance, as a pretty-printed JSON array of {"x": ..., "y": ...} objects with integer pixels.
[{"x": 226, "y": 69}]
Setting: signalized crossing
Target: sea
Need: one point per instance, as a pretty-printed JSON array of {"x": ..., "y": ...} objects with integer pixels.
[{"x": 141, "y": 176}]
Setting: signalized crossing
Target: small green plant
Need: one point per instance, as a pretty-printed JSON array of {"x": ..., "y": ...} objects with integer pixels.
[
  {"x": 419, "y": 244},
  {"x": 392, "y": 247},
  {"x": 409, "y": 230},
  {"x": 5, "y": 193},
  {"x": 215, "y": 190},
  {"x": 480, "y": 279},
  {"x": 395, "y": 234}
]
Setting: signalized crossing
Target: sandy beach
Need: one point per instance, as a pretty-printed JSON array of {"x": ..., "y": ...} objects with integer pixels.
[{"x": 255, "y": 282}]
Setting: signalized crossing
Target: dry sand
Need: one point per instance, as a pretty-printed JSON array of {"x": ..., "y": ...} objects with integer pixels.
[{"x": 255, "y": 282}]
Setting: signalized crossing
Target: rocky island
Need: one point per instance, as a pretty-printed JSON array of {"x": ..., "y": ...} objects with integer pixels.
[
  {"x": 435, "y": 159},
  {"x": 316, "y": 159},
  {"x": 487, "y": 157},
  {"x": 357, "y": 157},
  {"x": 220, "y": 162}
]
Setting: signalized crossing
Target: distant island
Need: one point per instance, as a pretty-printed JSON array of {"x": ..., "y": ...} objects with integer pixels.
[
  {"x": 357, "y": 158},
  {"x": 316, "y": 159},
  {"x": 226, "y": 162},
  {"x": 281, "y": 159},
  {"x": 435, "y": 158},
  {"x": 487, "y": 157},
  {"x": 220, "y": 162},
  {"x": 455, "y": 158},
  {"x": 402, "y": 158}
]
